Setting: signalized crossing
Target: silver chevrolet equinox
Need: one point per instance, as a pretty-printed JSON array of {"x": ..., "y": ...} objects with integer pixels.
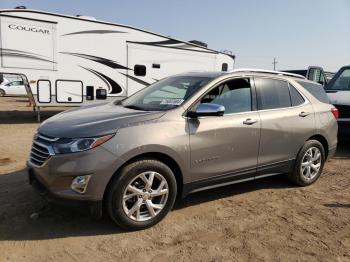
[{"x": 183, "y": 134}]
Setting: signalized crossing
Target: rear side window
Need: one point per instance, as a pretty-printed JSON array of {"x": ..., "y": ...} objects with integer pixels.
[
  {"x": 296, "y": 97},
  {"x": 316, "y": 90},
  {"x": 272, "y": 93}
]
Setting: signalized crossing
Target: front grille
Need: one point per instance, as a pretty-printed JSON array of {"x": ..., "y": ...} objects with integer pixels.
[
  {"x": 344, "y": 111},
  {"x": 41, "y": 149}
]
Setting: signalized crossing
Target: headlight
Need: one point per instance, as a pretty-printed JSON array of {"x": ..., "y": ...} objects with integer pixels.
[{"x": 71, "y": 145}]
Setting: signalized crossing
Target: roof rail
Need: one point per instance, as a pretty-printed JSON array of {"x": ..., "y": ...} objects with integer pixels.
[{"x": 267, "y": 72}]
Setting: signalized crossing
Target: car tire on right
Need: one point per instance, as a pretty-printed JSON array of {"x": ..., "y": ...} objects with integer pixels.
[{"x": 309, "y": 163}]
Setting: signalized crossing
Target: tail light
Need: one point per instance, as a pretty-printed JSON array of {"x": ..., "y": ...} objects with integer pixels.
[{"x": 335, "y": 112}]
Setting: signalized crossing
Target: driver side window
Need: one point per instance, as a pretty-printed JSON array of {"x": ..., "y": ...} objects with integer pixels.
[{"x": 234, "y": 95}]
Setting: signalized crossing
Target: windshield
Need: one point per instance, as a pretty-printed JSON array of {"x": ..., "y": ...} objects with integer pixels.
[
  {"x": 340, "y": 81},
  {"x": 166, "y": 94}
]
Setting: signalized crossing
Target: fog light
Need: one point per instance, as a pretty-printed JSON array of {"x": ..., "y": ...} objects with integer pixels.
[{"x": 80, "y": 183}]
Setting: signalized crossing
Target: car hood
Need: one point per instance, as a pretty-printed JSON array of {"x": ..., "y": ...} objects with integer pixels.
[{"x": 95, "y": 120}]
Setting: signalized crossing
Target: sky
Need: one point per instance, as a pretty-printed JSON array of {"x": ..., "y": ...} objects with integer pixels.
[{"x": 299, "y": 33}]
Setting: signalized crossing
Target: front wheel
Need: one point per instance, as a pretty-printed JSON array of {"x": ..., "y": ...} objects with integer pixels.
[
  {"x": 2, "y": 92},
  {"x": 142, "y": 194},
  {"x": 309, "y": 163}
]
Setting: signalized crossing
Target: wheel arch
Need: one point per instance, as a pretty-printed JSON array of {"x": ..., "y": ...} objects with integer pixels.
[
  {"x": 162, "y": 157},
  {"x": 322, "y": 140}
]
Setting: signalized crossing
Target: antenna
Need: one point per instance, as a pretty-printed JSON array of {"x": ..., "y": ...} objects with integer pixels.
[{"x": 274, "y": 63}]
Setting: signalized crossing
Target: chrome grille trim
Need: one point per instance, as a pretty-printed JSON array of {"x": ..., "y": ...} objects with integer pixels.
[
  {"x": 47, "y": 147},
  {"x": 41, "y": 150},
  {"x": 38, "y": 150},
  {"x": 47, "y": 138},
  {"x": 36, "y": 155}
]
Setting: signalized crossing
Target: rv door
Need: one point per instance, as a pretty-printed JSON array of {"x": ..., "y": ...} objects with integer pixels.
[{"x": 27, "y": 43}]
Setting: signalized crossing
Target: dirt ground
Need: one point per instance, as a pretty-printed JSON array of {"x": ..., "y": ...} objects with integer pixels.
[{"x": 263, "y": 220}]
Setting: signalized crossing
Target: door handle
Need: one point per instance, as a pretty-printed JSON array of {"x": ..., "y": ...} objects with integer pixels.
[
  {"x": 249, "y": 121},
  {"x": 304, "y": 114}
]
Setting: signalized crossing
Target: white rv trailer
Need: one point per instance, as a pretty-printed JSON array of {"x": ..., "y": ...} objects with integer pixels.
[{"x": 67, "y": 60}]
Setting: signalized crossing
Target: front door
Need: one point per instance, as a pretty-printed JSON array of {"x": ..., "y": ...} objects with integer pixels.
[{"x": 225, "y": 148}]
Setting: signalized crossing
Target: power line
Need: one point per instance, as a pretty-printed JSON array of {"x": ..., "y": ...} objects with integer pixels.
[{"x": 274, "y": 63}]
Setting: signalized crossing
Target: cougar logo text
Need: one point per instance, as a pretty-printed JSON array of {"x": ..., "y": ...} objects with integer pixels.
[{"x": 29, "y": 28}]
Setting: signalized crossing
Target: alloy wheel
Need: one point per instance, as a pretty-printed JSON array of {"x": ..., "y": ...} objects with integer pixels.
[
  {"x": 145, "y": 196},
  {"x": 311, "y": 163}
]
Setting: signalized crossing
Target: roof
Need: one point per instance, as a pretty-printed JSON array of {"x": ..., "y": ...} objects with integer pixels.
[
  {"x": 209, "y": 74},
  {"x": 215, "y": 74},
  {"x": 254, "y": 70}
]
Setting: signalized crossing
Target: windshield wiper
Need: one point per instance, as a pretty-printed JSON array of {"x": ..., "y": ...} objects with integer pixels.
[{"x": 135, "y": 107}]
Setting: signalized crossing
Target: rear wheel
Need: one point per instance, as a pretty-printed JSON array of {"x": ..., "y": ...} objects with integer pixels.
[
  {"x": 309, "y": 163},
  {"x": 2, "y": 92},
  {"x": 142, "y": 194}
]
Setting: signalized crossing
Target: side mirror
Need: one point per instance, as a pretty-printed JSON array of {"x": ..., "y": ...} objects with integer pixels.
[{"x": 207, "y": 110}]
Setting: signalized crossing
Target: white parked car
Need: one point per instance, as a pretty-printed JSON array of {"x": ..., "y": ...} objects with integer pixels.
[{"x": 13, "y": 88}]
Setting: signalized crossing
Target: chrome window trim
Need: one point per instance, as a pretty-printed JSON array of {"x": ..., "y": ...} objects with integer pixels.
[
  {"x": 251, "y": 76},
  {"x": 284, "y": 108}
]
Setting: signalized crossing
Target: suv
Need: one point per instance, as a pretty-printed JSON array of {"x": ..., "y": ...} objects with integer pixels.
[
  {"x": 183, "y": 134},
  {"x": 338, "y": 90}
]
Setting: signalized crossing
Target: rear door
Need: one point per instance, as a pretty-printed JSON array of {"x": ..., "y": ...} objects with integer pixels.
[{"x": 287, "y": 121}]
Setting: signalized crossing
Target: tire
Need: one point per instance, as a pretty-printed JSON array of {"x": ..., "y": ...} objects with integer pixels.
[
  {"x": 2, "y": 92},
  {"x": 134, "y": 177},
  {"x": 304, "y": 162}
]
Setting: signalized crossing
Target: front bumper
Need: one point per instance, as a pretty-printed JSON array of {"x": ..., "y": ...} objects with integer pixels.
[
  {"x": 54, "y": 177},
  {"x": 94, "y": 207}
]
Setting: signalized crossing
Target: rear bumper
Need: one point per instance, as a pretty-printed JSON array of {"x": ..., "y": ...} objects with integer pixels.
[
  {"x": 344, "y": 127},
  {"x": 94, "y": 207},
  {"x": 331, "y": 152}
]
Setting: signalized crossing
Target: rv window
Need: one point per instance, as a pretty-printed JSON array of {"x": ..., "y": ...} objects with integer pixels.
[
  {"x": 89, "y": 92},
  {"x": 101, "y": 94},
  {"x": 140, "y": 70},
  {"x": 224, "y": 67},
  {"x": 156, "y": 65}
]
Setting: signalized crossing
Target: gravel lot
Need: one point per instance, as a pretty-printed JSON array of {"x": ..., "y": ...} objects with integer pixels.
[{"x": 263, "y": 220}]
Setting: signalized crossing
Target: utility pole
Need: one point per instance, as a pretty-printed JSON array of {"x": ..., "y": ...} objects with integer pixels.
[{"x": 274, "y": 63}]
